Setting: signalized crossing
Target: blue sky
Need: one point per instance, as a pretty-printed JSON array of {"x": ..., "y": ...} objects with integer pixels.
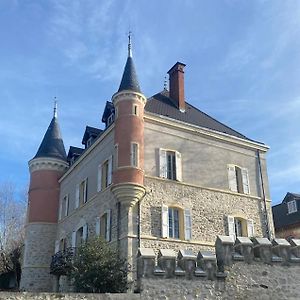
[{"x": 242, "y": 57}]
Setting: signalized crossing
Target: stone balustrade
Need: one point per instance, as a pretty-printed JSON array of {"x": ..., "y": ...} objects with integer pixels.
[{"x": 212, "y": 265}]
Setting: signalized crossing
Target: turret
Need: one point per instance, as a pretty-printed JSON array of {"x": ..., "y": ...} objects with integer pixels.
[
  {"x": 47, "y": 166},
  {"x": 129, "y": 103}
]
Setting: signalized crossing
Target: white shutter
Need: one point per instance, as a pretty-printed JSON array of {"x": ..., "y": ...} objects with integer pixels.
[
  {"x": 67, "y": 205},
  {"x": 250, "y": 228},
  {"x": 56, "y": 246},
  {"x": 178, "y": 165},
  {"x": 84, "y": 232},
  {"x": 232, "y": 178},
  {"x": 77, "y": 196},
  {"x": 60, "y": 210},
  {"x": 98, "y": 226},
  {"x": 109, "y": 175},
  {"x": 74, "y": 239},
  {"x": 187, "y": 224},
  {"x": 85, "y": 194},
  {"x": 245, "y": 179},
  {"x": 162, "y": 163},
  {"x": 99, "y": 183},
  {"x": 108, "y": 224},
  {"x": 231, "y": 226},
  {"x": 165, "y": 221}
]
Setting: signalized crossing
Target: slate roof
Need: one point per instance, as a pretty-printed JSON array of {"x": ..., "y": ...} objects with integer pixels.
[
  {"x": 161, "y": 104},
  {"x": 280, "y": 212},
  {"x": 52, "y": 144},
  {"x": 90, "y": 131},
  {"x": 129, "y": 79},
  {"x": 74, "y": 151}
]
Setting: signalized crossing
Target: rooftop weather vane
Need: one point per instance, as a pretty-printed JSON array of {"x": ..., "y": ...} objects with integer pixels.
[
  {"x": 129, "y": 44},
  {"x": 165, "y": 83},
  {"x": 55, "y": 108}
]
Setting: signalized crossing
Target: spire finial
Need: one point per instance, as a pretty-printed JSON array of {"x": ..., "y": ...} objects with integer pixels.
[
  {"x": 165, "y": 84},
  {"x": 55, "y": 108},
  {"x": 129, "y": 44}
]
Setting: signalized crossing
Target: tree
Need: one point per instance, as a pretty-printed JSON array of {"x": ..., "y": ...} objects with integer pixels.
[
  {"x": 97, "y": 268},
  {"x": 12, "y": 221}
]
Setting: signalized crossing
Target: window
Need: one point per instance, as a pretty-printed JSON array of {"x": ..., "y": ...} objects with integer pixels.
[
  {"x": 81, "y": 193},
  {"x": 116, "y": 113},
  {"x": 135, "y": 110},
  {"x": 105, "y": 174},
  {"x": 116, "y": 156},
  {"x": 240, "y": 227},
  {"x": 89, "y": 142},
  {"x": 170, "y": 164},
  {"x": 64, "y": 208},
  {"x": 103, "y": 226},
  {"x": 176, "y": 223},
  {"x": 63, "y": 244},
  {"x": 134, "y": 155},
  {"x": 110, "y": 119},
  {"x": 79, "y": 236},
  {"x": 292, "y": 206},
  {"x": 238, "y": 179}
]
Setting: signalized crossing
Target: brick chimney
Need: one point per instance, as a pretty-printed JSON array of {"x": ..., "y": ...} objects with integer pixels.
[{"x": 176, "y": 78}]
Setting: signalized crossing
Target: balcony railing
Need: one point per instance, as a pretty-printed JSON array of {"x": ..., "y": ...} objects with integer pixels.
[{"x": 61, "y": 263}]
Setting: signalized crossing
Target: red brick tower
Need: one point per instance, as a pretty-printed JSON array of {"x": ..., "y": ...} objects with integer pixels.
[
  {"x": 45, "y": 168},
  {"x": 128, "y": 176}
]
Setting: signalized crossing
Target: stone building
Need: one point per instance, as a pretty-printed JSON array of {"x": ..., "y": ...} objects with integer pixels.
[
  {"x": 286, "y": 217},
  {"x": 161, "y": 174}
]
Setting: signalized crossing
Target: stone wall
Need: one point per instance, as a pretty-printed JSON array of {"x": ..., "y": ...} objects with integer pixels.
[
  {"x": 244, "y": 269},
  {"x": 209, "y": 208},
  {"x": 73, "y": 296}
]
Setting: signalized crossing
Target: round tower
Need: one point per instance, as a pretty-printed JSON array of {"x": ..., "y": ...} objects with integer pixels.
[
  {"x": 45, "y": 168},
  {"x": 129, "y": 103}
]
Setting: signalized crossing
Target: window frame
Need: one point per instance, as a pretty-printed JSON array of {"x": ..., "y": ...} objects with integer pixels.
[
  {"x": 134, "y": 154},
  {"x": 292, "y": 207}
]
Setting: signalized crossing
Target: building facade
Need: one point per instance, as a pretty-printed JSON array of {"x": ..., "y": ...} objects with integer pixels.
[
  {"x": 161, "y": 174},
  {"x": 286, "y": 217}
]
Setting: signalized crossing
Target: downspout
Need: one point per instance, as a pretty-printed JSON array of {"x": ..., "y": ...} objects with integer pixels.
[{"x": 264, "y": 197}]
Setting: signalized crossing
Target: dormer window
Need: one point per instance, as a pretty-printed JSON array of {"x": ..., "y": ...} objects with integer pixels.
[
  {"x": 110, "y": 119},
  {"x": 292, "y": 207},
  {"x": 89, "y": 142}
]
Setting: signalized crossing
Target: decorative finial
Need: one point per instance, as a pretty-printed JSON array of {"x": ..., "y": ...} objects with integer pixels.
[
  {"x": 129, "y": 44},
  {"x": 165, "y": 84},
  {"x": 55, "y": 108}
]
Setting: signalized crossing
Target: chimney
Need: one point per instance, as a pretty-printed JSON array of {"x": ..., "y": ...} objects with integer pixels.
[{"x": 176, "y": 78}]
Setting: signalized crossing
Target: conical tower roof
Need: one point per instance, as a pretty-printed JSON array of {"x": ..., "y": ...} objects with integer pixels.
[
  {"x": 129, "y": 79},
  {"x": 52, "y": 144}
]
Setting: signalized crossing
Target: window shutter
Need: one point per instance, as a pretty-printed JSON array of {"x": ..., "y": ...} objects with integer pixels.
[
  {"x": 109, "y": 175},
  {"x": 108, "y": 225},
  {"x": 162, "y": 163},
  {"x": 165, "y": 221},
  {"x": 99, "y": 183},
  {"x": 178, "y": 166},
  {"x": 74, "y": 239},
  {"x": 60, "y": 210},
  {"x": 56, "y": 246},
  {"x": 232, "y": 179},
  {"x": 67, "y": 205},
  {"x": 85, "y": 190},
  {"x": 98, "y": 226},
  {"x": 245, "y": 179},
  {"x": 84, "y": 232},
  {"x": 187, "y": 224},
  {"x": 231, "y": 226},
  {"x": 77, "y": 196},
  {"x": 250, "y": 228}
]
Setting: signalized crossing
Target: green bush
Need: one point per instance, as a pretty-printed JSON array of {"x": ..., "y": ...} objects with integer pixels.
[{"x": 97, "y": 268}]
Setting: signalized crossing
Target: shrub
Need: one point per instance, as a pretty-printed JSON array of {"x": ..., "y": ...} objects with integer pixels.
[{"x": 97, "y": 268}]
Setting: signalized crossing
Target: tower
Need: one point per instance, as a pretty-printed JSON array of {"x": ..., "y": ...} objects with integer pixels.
[
  {"x": 128, "y": 176},
  {"x": 45, "y": 168}
]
